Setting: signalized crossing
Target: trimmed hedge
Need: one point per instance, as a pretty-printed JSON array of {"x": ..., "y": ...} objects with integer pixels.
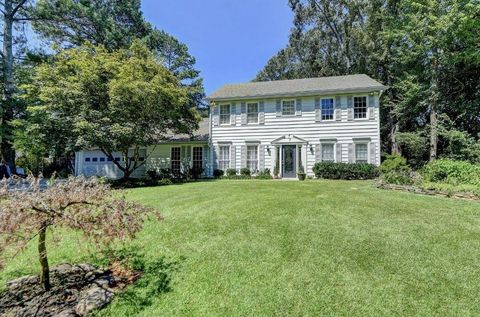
[{"x": 330, "y": 170}]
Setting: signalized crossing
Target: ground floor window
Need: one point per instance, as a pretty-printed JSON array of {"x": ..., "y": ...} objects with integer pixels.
[
  {"x": 197, "y": 163},
  {"x": 328, "y": 152},
  {"x": 252, "y": 158},
  {"x": 175, "y": 160},
  {"x": 224, "y": 158},
  {"x": 361, "y": 153}
]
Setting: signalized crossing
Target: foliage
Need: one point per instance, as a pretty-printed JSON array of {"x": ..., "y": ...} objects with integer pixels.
[
  {"x": 452, "y": 172},
  {"x": 265, "y": 174},
  {"x": 395, "y": 170},
  {"x": 394, "y": 163},
  {"x": 460, "y": 146},
  {"x": 245, "y": 171},
  {"x": 88, "y": 206},
  {"x": 331, "y": 170},
  {"x": 123, "y": 101},
  {"x": 231, "y": 172},
  {"x": 218, "y": 173}
]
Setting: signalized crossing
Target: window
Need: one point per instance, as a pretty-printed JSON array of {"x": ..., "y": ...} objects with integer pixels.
[
  {"x": 109, "y": 159},
  {"x": 224, "y": 114},
  {"x": 175, "y": 160},
  {"x": 197, "y": 163},
  {"x": 328, "y": 154},
  {"x": 95, "y": 159},
  {"x": 102, "y": 159},
  {"x": 361, "y": 153},
  {"x": 87, "y": 159},
  {"x": 117, "y": 159},
  {"x": 252, "y": 158},
  {"x": 360, "y": 107},
  {"x": 252, "y": 112},
  {"x": 327, "y": 109},
  {"x": 288, "y": 107},
  {"x": 224, "y": 158}
]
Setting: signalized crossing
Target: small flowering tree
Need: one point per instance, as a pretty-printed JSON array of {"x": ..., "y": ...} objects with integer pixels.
[{"x": 28, "y": 208}]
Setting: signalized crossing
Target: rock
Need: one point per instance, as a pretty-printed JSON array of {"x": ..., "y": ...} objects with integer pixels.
[{"x": 92, "y": 299}]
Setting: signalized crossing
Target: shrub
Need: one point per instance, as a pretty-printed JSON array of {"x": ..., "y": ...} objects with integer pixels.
[
  {"x": 218, "y": 173},
  {"x": 245, "y": 171},
  {"x": 332, "y": 170},
  {"x": 231, "y": 172},
  {"x": 265, "y": 174},
  {"x": 452, "y": 172},
  {"x": 152, "y": 174},
  {"x": 165, "y": 182},
  {"x": 195, "y": 173},
  {"x": 394, "y": 163}
]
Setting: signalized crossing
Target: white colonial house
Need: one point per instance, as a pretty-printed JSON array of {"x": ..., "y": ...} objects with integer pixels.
[{"x": 285, "y": 126}]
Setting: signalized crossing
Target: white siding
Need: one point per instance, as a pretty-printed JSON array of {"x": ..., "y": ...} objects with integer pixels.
[{"x": 303, "y": 126}]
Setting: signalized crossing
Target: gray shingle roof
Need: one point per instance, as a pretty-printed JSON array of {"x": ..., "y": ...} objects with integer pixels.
[
  {"x": 297, "y": 87},
  {"x": 201, "y": 134}
]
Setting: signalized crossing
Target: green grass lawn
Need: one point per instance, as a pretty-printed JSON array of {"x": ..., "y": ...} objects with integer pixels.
[{"x": 273, "y": 248}]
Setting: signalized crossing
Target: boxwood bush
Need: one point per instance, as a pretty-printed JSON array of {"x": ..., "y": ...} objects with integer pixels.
[{"x": 332, "y": 170}]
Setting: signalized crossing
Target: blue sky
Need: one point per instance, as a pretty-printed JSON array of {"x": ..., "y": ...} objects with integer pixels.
[{"x": 231, "y": 39}]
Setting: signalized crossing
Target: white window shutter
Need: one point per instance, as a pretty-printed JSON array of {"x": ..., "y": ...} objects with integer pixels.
[
  {"x": 318, "y": 153},
  {"x": 233, "y": 156},
  {"x": 350, "y": 108},
  {"x": 261, "y": 112},
  {"x": 351, "y": 154},
  {"x": 338, "y": 108},
  {"x": 371, "y": 107},
  {"x": 215, "y": 116},
  {"x": 298, "y": 107},
  {"x": 318, "y": 110},
  {"x": 243, "y": 156},
  {"x": 338, "y": 149},
  {"x": 244, "y": 113},
  {"x": 373, "y": 153},
  {"x": 215, "y": 152},
  {"x": 233, "y": 114},
  {"x": 279, "y": 108},
  {"x": 261, "y": 157}
]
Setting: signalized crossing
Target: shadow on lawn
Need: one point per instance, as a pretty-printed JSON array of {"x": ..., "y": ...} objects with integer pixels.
[{"x": 155, "y": 280}]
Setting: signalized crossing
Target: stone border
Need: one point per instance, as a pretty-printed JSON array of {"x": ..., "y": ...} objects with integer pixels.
[{"x": 429, "y": 192}]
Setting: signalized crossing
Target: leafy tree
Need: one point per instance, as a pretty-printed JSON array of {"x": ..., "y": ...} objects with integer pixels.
[
  {"x": 115, "y": 101},
  {"x": 88, "y": 206},
  {"x": 112, "y": 23}
]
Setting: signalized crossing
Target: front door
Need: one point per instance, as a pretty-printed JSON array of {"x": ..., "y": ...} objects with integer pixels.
[{"x": 289, "y": 161}]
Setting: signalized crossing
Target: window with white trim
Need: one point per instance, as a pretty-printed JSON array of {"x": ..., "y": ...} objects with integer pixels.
[
  {"x": 252, "y": 158},
  {"x": 197, "y": 159},
  {"x": 224, "y": 157},
  {"x": 360, "y": 107},
  {"x": 252, "y": 112},
  {"x": 225, "y": 114},
  {"x": 175, "y": 160},
  {"x": 327, "y": 109},
  {"x": 328, "y": 152},
  {"x": 288, "y": 107},
  {"x": 361, "y": 153}
]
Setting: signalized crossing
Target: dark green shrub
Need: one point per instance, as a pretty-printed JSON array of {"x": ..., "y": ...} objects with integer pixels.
[
  {"x": 165, "y": 182},
  {"x": 152, "y": 174},
  {"x": 245, "y": 172},
  {"x": 231, "y": 172},
  {"x": 330, "y": 170},
  {"x": 399, "y": 177},
  {"x": 195, "y": 173},
  {"x": 265, "y": 174},
  {"x": 452, "y": 172},
  {"x": 394, "y": 163},
  {"x": 217, "y": 173}
]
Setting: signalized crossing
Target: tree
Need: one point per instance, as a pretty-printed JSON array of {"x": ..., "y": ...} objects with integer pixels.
[
  {"x": 117, "y": 101},
  {"x": 87, "y": 206},
  {"x": 14, "y": 13},
  {"x": 114, "y": 24}
]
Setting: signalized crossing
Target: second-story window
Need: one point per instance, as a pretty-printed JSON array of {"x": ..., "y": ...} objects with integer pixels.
[
  {"x": 224, "y": 114},
  {"x": 288, "y": 107},
  {"x": 360, "y": 107},
  {"x": 252, "y": 112},
  {"x": 327, "y": 109}
]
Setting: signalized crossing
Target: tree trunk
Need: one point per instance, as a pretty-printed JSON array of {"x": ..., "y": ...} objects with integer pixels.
[
  {"x": 433, "y": 132},
  {"x": 396, "y": 149},
  {"x": 6, "y": 109},
  {"x": 42, "y": 252}
]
